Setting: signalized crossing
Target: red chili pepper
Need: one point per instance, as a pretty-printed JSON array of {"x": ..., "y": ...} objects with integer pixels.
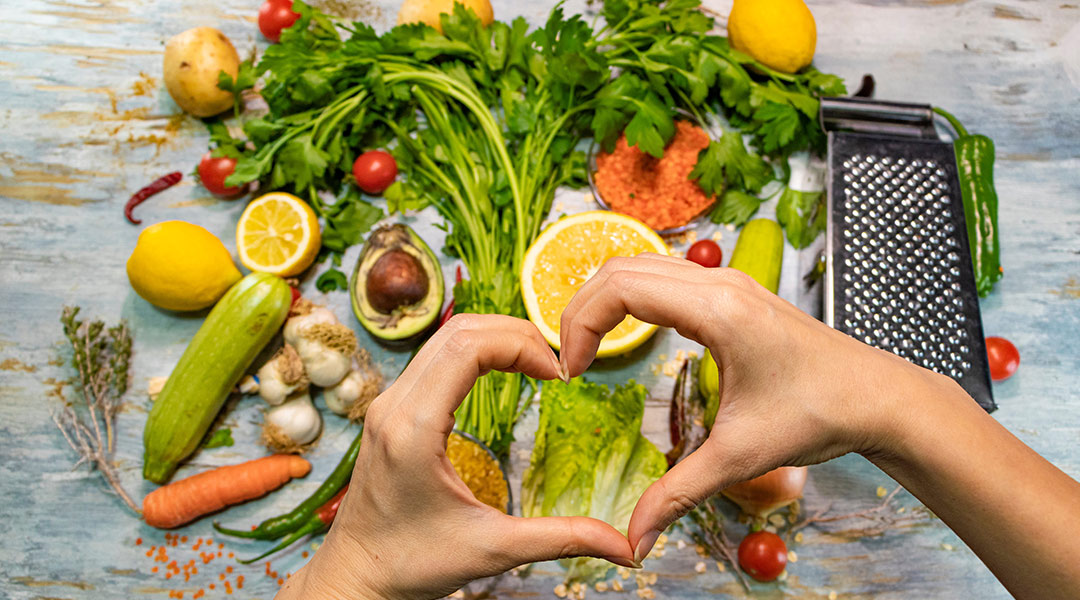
[
  {"x": 295, "y": 295},
  {"x": 328, "y": 511},
  {"x": 158, "y": 185},
  {"x": 449, "y": 312}
]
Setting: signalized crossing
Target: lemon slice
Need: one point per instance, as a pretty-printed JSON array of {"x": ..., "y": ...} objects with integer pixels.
[
  {"x": 278, "y": 234},
  {"x": 567, "y": 254}
]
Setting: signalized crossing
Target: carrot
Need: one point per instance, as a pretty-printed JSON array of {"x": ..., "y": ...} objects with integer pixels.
[{"x": 210, "y": 491}]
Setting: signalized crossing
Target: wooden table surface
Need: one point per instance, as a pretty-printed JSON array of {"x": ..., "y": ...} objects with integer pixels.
[{"x": 85, "y": 121}]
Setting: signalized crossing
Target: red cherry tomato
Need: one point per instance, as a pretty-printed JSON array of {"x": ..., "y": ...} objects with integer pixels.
[
  {"x": 763, "y": 555},
  {"x": 374, "y": 171},
  {"x": 1003, "y": 356},
  {"x": 213, "y": 171},
  {"x": 706, "y": 253},
  {"x": 275, "y": 15}
]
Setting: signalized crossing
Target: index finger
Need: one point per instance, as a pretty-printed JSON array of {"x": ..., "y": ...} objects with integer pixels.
[{"x": 693, "y": 302}]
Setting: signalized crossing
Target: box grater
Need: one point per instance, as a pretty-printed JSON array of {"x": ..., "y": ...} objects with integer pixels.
[{"x": 898, "y": 267}]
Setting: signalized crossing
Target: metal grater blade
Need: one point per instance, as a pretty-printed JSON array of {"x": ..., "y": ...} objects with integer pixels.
[{"x": 899, "y": 274}]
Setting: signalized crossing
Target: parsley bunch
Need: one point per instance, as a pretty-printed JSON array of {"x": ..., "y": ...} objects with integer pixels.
[{"x": 485, "y": 123}]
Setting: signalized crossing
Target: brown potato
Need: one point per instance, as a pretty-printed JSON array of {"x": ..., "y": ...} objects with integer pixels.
[
  {"x": 193, "y": 60},
  {"x": 428, "y": 11}
]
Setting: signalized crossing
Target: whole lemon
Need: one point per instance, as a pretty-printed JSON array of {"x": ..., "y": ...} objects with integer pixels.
[
  {"x": 429, "y": 11},
  {"x": 780, "y": 34},
  {"x": 180, "y": 266}
]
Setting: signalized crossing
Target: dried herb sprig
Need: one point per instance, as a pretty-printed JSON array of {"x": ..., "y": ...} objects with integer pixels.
[
  {"x": 102, "y": 358},
  {"x": 708, "y": 531},
  {"x": 881, "y": 518}
]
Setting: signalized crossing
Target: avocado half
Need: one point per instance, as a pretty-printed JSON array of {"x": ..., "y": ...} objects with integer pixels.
[{"x": 397, "y": 285}]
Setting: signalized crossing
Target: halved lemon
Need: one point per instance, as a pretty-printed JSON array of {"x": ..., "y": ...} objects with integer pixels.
[
  {"x": 278, "y": 234},
  {"x": 567, "y": 254}
]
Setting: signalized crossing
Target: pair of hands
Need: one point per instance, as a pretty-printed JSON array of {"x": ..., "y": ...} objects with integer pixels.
[{"x": 793, "y": 390}]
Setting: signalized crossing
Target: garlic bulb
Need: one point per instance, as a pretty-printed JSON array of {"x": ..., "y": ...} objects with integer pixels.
[
  {"x": 325, "y": 366},
  {"x": 297, "y": 419},
  {"x": 352, "y": 395},
  {"x": 281, "y": 376},
  {"x": 295, "y": 326}
]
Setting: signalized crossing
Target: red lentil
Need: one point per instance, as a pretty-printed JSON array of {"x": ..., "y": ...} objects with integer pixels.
[{"x": 655, "y": 191}]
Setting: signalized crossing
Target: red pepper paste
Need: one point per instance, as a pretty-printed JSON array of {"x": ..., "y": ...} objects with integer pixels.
[{"x": 655, "y": 191}]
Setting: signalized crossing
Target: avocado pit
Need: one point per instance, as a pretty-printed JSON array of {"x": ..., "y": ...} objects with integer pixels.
[{"x": 396, "y": 279}]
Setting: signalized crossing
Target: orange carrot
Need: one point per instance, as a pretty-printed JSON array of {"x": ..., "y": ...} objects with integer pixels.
[{"x": 210, "y": 491}]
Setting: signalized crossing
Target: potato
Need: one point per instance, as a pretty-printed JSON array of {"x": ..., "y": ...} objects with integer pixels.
[
  {"x": 193, "y": 60},
  {"x": 428, "y": 11}
]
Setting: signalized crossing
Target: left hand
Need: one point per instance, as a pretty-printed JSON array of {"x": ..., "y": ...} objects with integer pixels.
[{"x": 408, "y": 526}]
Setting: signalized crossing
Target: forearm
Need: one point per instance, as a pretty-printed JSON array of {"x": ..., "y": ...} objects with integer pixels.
[{"x": 1019, "y": 513}]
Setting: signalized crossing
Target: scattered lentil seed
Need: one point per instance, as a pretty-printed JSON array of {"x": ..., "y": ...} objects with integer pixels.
[
  {"x": 720, "y": 567},
  {"x": 601, "y": 586},
  {"x": 616, "y": 586},
  {"x": 700, "y": 567},
  {"x": 881, "y": 491},
  {"x": 792, "y": 557},
  {"x": 832, "y": 595},
  {"x": 560, "y": 590}
]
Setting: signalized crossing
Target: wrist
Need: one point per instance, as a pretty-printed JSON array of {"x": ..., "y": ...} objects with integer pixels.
[
  {"x": 335, "y": 572},
  {"x": 919, "y": 400}
]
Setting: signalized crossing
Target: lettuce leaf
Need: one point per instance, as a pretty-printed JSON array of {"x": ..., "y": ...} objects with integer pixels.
[{"x": 590, "y": 459}]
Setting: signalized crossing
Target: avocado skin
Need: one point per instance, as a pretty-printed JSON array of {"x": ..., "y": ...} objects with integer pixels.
[{"x": 405, "y": 324}]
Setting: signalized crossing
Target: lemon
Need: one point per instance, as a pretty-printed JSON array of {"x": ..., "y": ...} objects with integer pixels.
[
  {"x": 781, "y": 34},
  {"x": 278, "y": 234},
  {"x": 180, "y": 266},
  {"x": 430, "y": 11},
  {"x": 567, "y": 254}
]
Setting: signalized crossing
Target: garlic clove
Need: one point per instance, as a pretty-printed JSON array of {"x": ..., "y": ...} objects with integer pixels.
[
  {"x": 296, "y": 325},
  {"x": 341, "y": 397},
  {"x": 325, "y": 366},
  {"x": 297, "y": 418}
]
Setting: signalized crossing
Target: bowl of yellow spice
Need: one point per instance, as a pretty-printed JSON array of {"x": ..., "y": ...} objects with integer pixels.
[{"x": 481, "y": 471}]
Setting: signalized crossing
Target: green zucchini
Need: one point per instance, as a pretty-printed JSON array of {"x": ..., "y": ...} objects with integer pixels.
[
  {"x": 235, "y": 331},
  {"x": 759, "y": 252}
]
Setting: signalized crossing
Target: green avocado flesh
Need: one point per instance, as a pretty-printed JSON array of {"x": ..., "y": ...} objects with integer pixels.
[{"x": 397, "y": 286}]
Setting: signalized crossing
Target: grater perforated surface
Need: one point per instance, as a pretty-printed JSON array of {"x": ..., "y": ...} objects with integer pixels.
[{"x": 901, "y": 271}]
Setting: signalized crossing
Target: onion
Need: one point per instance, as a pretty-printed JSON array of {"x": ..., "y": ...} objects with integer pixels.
[{"x": 763, "y": 495}]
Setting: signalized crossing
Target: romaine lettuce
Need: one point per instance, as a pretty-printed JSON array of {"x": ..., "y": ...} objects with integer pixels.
[{"x": 590, "y": 458}]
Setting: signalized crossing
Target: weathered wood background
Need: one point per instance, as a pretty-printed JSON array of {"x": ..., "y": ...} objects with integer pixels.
[{"x": 85, "y": 121}]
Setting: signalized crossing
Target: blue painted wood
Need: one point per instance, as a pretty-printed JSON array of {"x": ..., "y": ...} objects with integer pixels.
[{"x": 85, "y": 121}]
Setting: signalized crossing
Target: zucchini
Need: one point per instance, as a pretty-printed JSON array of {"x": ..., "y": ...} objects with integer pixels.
[
  {"x": 759, "y": 252},
  {"x": 235, "y": 331}
]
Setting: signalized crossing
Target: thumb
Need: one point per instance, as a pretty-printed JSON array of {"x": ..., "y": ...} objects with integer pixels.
[
  {"x": 538, "y": 539},
  {"x": 700, "y": 475}
]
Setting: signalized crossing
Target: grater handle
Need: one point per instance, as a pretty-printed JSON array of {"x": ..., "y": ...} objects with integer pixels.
[{"x": 864, "y": 115}]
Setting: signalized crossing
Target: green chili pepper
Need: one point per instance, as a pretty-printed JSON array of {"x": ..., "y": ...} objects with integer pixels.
[
  {"x": 318, "y": 522},
  {"x": 975, "y": 167},
  {"x": 296, "y": 519}
]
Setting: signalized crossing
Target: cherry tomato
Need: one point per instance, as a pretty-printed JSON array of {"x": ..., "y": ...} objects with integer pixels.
[
  {"x": 213, "y": 171},
  {"x": 275, "y": 15},
  {"x": 1003, "y": 356},
  {"x": 763, "y": 555},
  {"x": 374, "y": 171},
  {"x": 706, "y": 253}
]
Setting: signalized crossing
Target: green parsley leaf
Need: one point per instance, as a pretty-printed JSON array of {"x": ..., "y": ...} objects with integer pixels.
[
  {"x": 245, "y": 80},
  {"x": 803, "y": 215},
  {"x": 220, "y": 438},
  {"x": 736, "y": 207}
]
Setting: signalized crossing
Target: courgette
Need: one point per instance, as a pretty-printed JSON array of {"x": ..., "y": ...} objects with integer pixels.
[
  {"x": 759, "y": 252},
  {"x": 235, "y": 331}
]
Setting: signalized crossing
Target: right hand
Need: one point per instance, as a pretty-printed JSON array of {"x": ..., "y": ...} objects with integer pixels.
[{"x": 793, "y": 391}]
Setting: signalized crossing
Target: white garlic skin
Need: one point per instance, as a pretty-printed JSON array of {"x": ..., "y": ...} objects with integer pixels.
[
  {"x": 271, "y": 387},
  {"x": 296, "y": 325},
  {"x": 324, "y": 366},
  {"x": 341, "y": 397},
  {"x": 297, "y": 418}
]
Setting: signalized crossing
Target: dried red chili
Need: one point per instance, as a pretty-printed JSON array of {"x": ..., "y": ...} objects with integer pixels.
[{"x": 140, "y": 196}]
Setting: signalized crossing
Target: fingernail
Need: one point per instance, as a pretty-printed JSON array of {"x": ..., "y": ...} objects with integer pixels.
[
  {"x": 645, "y": 545},
  {"x": 623, "y": 562},
  {"x": 557, "y": 366},
  {"x": 564, "y": 371}
]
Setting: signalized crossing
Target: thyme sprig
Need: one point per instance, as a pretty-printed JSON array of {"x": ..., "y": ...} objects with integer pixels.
[{"x": 101, "y": 357}]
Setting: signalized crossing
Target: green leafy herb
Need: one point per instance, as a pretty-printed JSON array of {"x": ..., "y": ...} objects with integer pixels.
[
  {"x": 590, "y": 458},
  {"x": 802, "y": 214},
  {"x": 245, "y": 80},
  {"x": 220, "y": 438},
  {"x": 736, "y": 207}
]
